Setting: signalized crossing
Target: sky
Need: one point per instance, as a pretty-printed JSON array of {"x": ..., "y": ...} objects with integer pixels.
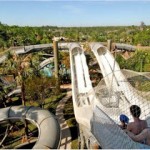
[{"x": 74, "y": 13}]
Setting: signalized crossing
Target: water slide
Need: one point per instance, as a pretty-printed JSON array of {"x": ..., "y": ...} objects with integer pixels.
[
  {"x": 84, "y": 97},
  {"x": 15, "y": 91},
  {"x": 81, "y": 85},
  {"x": 33, "y": 48},
  {"x": 114, "y": 88},
  {"x": 46, "y": 122},
  {"x": 97, "y": 121},
  {"x": 117, "y": 83},
  {"x": 49, "y": 137},
  {"x": 46, "y": 62}
]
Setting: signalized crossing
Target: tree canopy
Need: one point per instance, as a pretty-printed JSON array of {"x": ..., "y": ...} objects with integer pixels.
[{"x": 20, "y": 36}]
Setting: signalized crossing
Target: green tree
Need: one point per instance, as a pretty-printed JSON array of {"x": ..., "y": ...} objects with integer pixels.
[
  {"x": 21, "y": 67},
  {"x": 42, "y": 89},
  {"x": 121, "y": 61}
]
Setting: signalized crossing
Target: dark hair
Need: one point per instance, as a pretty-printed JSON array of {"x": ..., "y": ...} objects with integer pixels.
[{"x": 135, "y": 111}]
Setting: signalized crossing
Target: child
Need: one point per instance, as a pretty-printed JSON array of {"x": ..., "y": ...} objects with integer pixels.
[{"x": 138, "y": 125}]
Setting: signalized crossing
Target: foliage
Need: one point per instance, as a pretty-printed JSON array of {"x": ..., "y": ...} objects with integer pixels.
[
  {"x": 65, "y": 59},
  {"x": 140, "y": 82},
  {"x": 140, "y": 61},
  {"x": 145, "y": 86},
  {"x": 39, "y": 88},
  {"x": 20, "y": 36},
  {"x": 21, "y": 67},
  {"x": 2, "y": 92},
  {"x": 121, "y": 61}
]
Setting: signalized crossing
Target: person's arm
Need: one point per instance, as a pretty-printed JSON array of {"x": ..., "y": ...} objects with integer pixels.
[
  {"x": 146, "y": 125},
  {"x": 138, "y": 138},
  {"x": 129, "y": 127}
]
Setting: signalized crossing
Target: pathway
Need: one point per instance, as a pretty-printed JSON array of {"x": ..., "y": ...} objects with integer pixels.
[{"x": 65, "y": 131}]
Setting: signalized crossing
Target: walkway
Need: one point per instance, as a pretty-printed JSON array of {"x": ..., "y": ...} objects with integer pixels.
[{"x": 66, "y": 135}]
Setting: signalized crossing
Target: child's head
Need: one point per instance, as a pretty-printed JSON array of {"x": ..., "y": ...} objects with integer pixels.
[
  {"x": 124, "y": 118},
  {"x": 135, "y": 111}
]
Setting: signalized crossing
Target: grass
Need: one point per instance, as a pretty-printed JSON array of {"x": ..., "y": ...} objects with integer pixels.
[
  {"x": 50, "y": 103},
  {"x": 71, "y": 121}
]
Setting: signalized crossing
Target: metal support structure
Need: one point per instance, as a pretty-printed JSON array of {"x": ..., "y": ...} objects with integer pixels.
[
  {"x": 56, "y": 63},
  {"x": 109, "y": 44},
  {"x": 55, "y": 47}
]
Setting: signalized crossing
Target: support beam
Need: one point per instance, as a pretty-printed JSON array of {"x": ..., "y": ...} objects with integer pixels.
[
  {"x": 109, "y": 43},
  {"x": 55, "y": 47},
  {"x": 56, "y": 64}
]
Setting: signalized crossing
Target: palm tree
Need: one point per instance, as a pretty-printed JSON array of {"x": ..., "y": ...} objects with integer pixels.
[{"x": 21, "y": 68}]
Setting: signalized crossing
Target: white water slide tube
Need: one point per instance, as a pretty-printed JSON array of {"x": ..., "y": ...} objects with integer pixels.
[
  {"x": 47, "y": 124},
  {"x": 46, "y": 62},
  {"x": 31, "y": 48},
  {"x": 15, "y": 91},
  {"x": 116, "y": 81},
  {"x": 81, "y": 85}
]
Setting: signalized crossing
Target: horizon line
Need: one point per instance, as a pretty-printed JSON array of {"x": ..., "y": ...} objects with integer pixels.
[{"x": 59, "y": 26}]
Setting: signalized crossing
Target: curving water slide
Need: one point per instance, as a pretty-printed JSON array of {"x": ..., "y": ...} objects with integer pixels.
[
  {"x": 46, "y": 62},
  {"x": 47, "y": 124}
]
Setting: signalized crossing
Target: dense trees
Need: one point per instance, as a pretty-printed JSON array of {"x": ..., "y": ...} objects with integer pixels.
[
  {"x": 40, "y": 87},
  {"x": 19, "y": 36},
  {"x": 21, "y": 67}
]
